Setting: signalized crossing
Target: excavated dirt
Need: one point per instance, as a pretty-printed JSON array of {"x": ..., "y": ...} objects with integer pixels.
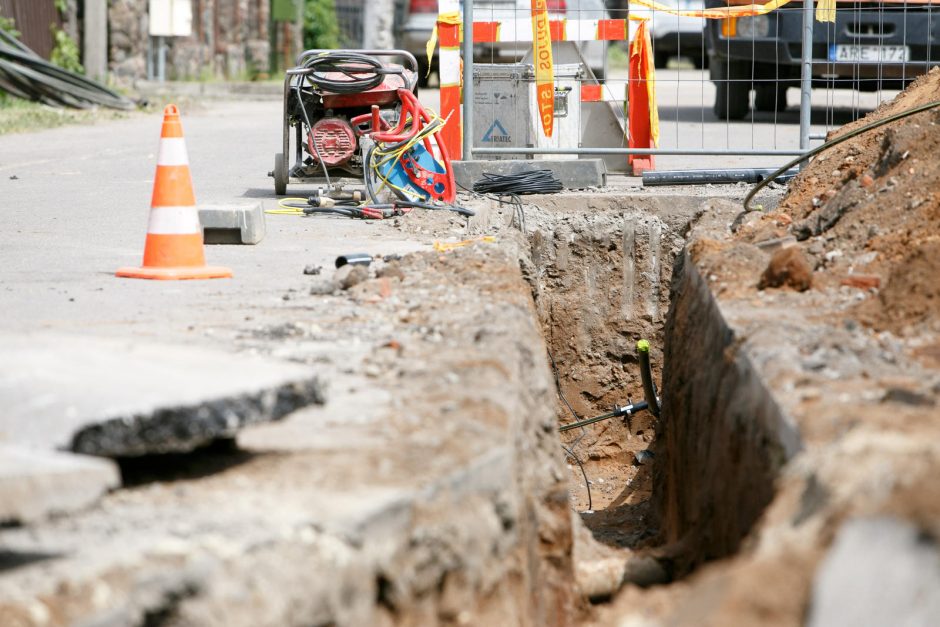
[
  {"x": 807, "y": 406},
  {"x": 868, "y": 212}
]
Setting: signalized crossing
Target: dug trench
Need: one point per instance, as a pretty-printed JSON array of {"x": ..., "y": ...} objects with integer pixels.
[{"x": 658, "y": 496}]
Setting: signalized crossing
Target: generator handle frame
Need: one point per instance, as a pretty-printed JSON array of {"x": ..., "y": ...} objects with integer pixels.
[
  {"x": 372, "y": 53},
  {"x": 298, "y": 70}
]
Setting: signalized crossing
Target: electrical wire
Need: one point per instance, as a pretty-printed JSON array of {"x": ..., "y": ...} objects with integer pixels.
[
  {"x": 312, "y": 142},
  {"x": 569, "y": 451},
  {"x": 830, "y": 144},
  {"x": 530, "y": 182},
  {"x": 514, "y": 200}
]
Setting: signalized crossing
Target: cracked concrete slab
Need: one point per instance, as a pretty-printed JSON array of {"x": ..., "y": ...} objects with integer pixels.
[
  {"x": 126, "y": 398},
  {"x": 35, "y": 484}
]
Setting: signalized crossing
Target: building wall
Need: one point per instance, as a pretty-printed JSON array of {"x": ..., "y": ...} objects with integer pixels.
[{"x": 229, "y": 40}]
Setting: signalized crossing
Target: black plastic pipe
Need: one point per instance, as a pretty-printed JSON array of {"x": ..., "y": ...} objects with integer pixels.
[
  {"x": 712, "y": 177},
  {"x": 355, "y": 259},
  {"x": 646, "y": 374}
]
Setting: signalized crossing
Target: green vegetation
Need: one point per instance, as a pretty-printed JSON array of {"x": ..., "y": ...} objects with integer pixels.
[
  {"x": 21, "y": 116},
  {"x": 321, "y": 30},
  {"x": 617, "y": 57},
  {"x": 65, "y": 53},
  {"x": 7, "y": 24}
]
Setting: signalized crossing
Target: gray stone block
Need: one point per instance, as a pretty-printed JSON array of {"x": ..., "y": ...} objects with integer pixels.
[
  {"x": 232, "y": 224},
  {"x": 121, "y": 398},
  {"x": 879, "y": 571},
  {"x": 573, "y": 173},
  {"x": 36, "y": 483}
]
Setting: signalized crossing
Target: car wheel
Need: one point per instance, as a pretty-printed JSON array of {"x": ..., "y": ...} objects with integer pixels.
[
  {"x": 770, "y": 97},
  {"x": 700, "y": 62},
  {"x": 661, "y": 58},
  {"x": 732, "y": 90},
  {"x": 423, "y": 74}
]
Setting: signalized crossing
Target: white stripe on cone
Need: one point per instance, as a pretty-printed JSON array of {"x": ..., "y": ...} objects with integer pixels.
[
  {"x": 174, "y": 221},
  {"x": 173, "y": 152}
]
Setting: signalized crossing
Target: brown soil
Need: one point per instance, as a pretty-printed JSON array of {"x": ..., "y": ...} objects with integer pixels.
[{"x": 871, "y": 206}]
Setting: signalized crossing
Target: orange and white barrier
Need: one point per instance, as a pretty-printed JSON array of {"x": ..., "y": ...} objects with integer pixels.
[{"x": 174, "y": 246}]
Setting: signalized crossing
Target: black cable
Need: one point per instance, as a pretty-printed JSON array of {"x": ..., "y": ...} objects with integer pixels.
[
  {"x": 514, "y": 200},
  {"x": 830, "y": 144},
  {"x": 313, "y": 141},
  {"x": 587, "y": 484},
  {"x": 25, "y": 74},
  {"x": 530, "y": 182},
  {"x": 362, "y": 71}
]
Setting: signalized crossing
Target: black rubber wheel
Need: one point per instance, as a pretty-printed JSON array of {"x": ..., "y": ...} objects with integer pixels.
[
  {"x": 732, "y": 89},
  {"x": 661, "y": 58},
  {"x": 280, "y": 174},
  {"x": 700, "y": 62},
  {"x": 770, "y": 97}
]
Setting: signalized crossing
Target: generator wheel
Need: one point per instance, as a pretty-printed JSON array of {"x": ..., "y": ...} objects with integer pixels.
[{"x": 280, "y": 174}]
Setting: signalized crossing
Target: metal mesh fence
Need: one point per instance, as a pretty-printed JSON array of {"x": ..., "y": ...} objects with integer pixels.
[{"x": 726, "y": 86}]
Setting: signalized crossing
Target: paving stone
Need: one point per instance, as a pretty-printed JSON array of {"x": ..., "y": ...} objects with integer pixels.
[{"x": 232, "y": 224}]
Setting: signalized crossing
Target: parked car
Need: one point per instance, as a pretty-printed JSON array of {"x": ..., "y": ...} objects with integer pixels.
[
  {"x": 881, "y": 47},
  {"x": 675, "y": 35},
  {"x": 422, "y": 14}
]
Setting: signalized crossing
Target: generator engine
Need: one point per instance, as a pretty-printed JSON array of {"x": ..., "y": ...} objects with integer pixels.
[{"x": 349, "y": 114}]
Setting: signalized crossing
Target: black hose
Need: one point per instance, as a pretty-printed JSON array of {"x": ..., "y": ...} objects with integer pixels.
[
  {"x": 834, "y": 142},
  {"x": 646, "y": 375},
  {"x": 653, "y": 178},
  {"x": 362, "y": 71},
  {"x": 26, "y": 75},
  {"x": 313, "y": 141},
  {"x": 627, "y": 411}
]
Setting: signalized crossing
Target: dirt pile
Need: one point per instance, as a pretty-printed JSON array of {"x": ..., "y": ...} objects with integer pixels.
[{"x": 868, "y": 213}]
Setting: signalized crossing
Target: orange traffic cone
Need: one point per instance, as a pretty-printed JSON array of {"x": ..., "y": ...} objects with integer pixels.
[{"x": 174, "y": 236}]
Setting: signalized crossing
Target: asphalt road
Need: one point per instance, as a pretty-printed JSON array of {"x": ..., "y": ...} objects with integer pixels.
[{"x": 75, "y": 202}]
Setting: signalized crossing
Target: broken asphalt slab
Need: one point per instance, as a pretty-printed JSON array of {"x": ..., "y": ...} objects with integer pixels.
[
  {"x": 117, "y": 398},
  {"x": 35, "y": 483}
]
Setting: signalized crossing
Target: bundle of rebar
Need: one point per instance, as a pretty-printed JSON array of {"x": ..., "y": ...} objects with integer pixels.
[{"x": 25, "y": 74}]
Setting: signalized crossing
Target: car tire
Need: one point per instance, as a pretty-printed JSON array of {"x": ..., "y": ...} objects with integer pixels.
[
  {"x": 661, "y": 58},
  {"x": 770, "y": 97},
  {"x": 732, "y": 90},
  {"x": 700, "y": 62},
  {"x": 423, "y": 74}
]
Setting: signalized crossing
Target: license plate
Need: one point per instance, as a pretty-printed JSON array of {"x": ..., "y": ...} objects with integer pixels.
[{"x": 869, "y": 54}]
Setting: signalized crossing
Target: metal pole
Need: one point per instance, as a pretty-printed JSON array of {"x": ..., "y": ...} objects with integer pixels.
[
  {"x": 637, "y": 151},
  {"x": 161, "y": 59},
  {"x": 467, "y": 80},
  {"x": 806, "y": 79}
]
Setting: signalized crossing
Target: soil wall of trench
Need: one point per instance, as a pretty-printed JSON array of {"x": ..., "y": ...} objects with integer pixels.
[{"x": 606, "y": 272}]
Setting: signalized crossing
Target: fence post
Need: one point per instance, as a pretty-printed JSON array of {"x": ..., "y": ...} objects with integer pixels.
[
  {"x": 449, "y": 58},
  {"x": 806, "y": 78},
  {"x": 468, "y": 80}
]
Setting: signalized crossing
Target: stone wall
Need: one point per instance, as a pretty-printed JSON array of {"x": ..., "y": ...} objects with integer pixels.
[{"x": 229, "y": 40}]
